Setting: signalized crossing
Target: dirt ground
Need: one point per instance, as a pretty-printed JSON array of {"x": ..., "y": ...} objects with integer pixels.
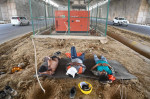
[{"x": 21, "y": 50}]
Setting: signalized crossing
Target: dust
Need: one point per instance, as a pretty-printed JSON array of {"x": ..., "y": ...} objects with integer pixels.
[{"x": 20, "y": 50}]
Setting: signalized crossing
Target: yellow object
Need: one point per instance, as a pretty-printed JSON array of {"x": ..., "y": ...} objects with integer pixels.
[
  {"x": 86, "y": 92},
  {"x": 15, "y": 69}
]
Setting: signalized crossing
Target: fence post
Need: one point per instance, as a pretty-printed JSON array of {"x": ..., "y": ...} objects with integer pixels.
[
  {"x": 107, "y": 16},
  {"x": 69, "y": 17},
  {"x": 96, "y": 17},
  {"x": 88, "y": 19},
  {"x": 31, "y": 17},
  {"x": 92, "y": 18},
  {"x": 45, "y": 15},
  {"x": 53, "y": 14}
]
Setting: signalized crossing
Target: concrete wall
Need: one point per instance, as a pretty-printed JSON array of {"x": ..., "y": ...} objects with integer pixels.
[
  {"x": 148, "y": 16},
  {"x": 11, "y": 8},
  {"x": 0, "y": 14},
  {"x": 101, "y": 13},
  {"x": 124, "y": 8},
  {"x": 22, "y": 8},
  {"x": 144, "y": 13},
  {"x": 136, "y": 11},
  {"x": 8, "y": 9}
]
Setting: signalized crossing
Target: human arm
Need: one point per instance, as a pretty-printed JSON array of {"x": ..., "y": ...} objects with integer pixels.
[
  {"x": 47, "y": 72},
  {"x": 94, "y": 66},
  {"x": 105, "y": 64},
  {"x": 109, "y": 66}
]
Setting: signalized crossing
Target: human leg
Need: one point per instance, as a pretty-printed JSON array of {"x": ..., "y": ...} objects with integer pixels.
[
  {"x": 73, "y": 52},
  {"x": 82, "y": 56},
  {"x": 96, "y": 58},
  {"x": 103, "y": 58}
]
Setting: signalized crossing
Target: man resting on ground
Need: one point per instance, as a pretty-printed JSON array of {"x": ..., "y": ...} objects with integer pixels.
[
  {"x": 49, "y": 66},
  {"x": 76, "y": 65},
  {"x": 103, "y": 68}
]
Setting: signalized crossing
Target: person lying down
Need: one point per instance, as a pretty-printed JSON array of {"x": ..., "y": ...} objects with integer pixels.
[{"x": 49, "y": 65}]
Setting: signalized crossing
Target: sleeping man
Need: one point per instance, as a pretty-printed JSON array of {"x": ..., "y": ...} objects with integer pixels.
[
  {"x": 49, "y": 65},
  {"x": 76, "y": 65},
  {"x": 104, "y": 70}
]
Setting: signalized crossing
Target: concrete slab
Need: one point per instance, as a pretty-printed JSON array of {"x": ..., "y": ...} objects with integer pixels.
[{"x": 103, "y": 40}]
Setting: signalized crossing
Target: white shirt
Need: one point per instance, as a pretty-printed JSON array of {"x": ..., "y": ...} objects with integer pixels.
[{"x": 77, "y": 60}]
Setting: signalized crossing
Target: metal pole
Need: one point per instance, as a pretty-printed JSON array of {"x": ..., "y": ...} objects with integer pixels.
[
  {"x": 31, "y": 17},
  {"x": 107, "y": 16},
  {"x": 96, "y": 17},
  {"x": 49, "y": 16},
  {"x": 88, "y": 19},
  {"x": 53, "y": 15},
  {"x": 69, "y": 17},
  {"x": 138, "y": 47},
  {"x": 91, "y": 16},
  {"x": 45, "y": 15}
]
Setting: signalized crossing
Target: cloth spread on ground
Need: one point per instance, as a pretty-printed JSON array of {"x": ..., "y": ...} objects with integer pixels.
[{"x": 120, "y": 71}]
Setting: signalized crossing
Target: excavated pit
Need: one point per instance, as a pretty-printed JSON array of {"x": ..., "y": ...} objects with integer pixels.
[{"x": 21, "y": 50}]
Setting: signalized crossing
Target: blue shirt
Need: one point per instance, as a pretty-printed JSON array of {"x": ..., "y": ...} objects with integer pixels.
[{"x": 101, "y": 68}]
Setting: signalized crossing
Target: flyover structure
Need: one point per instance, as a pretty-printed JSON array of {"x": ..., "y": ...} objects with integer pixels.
[{"x": 136, "y": 11}]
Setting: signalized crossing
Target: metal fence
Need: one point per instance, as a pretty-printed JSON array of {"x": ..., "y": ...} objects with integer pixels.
[{"x": 88, "y": 18}]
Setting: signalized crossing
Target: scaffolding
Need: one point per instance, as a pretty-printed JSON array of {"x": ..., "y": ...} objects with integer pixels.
[{"x": 91, "y": 21}]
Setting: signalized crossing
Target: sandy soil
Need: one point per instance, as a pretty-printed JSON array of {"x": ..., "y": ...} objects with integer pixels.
[{"x": 21, "y": 51}]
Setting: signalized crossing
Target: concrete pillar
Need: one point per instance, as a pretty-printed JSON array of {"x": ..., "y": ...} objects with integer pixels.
[
  {"x": 0, "y": 14},
  {"x": 4, "y": 11},
  {"x": 124, "y": 8},
  {"x": 22, "y": 8},
  {"x": 144, "y": 13},
  {"x": 8, "y": 9}
]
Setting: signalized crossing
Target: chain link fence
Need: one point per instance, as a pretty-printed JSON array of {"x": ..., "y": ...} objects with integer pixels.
[{"x": 87, "y": 17}]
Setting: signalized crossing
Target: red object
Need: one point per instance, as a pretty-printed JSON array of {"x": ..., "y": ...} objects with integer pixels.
[
  {"x": 18, "y": 19},
  {"x": 80, "y": 69},
  {"x": 68, "y": 67},
  {"x": 15, "y": 69},
  {"x": 76, "y": 24},
  {"x": 111, "y": 77},
  {"x": 69, "y": 54}
]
